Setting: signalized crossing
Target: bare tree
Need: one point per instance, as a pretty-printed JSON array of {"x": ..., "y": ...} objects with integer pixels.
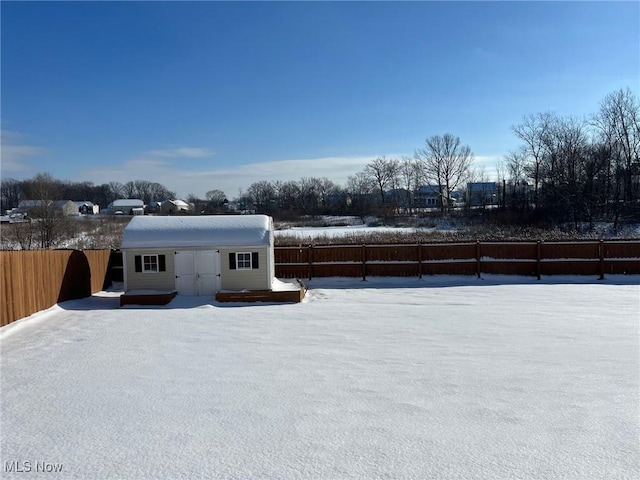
[
  {"x": 326, "y": 188},
  {"x": 21, "y": 233},
  {"x": 534, "y": 132},
  {"x": 50, "y": 220},
  {"x": 116, "y": 191},
  {"x": 618, "y": 122},
  {"x": 409, "y": 174},
  {"x": 102, "y": 195},
  {"x": 216, "y": 197},
  {"x": 515, "y": 164},
  {"x": 309, "y": 194},
  {"x": 10, "y": 191},
  {"x": 263, "y": 195},
  {"x": 564, "y": 168},
  {"x": 446, "y": 162},
  {"x": 288, "y": 195},
  {"x": 595, "y": 181},
  {"x": 147, "y": 191},
  {"x": 384, "y": 173},
  {"x": 129, "y": 190},
  {"x": 360, "y": 190}
]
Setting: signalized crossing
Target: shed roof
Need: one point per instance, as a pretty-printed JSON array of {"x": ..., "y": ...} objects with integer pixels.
[
  {"x": 204, "y": 231},
  {"x": 127, "y": 202}
]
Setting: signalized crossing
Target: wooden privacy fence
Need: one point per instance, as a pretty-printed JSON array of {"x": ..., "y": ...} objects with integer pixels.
[
  {"x": 464, "y": 258},
  {"x": 37, "y": 279}
]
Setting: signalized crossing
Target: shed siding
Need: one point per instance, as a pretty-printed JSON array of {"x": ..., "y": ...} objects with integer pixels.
[
  {"x": 254, "y": 279},
  {"x": 150, "y": 281}
]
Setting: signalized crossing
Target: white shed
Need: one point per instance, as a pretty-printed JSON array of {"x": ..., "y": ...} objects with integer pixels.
[{"x": 199, "y": 255}]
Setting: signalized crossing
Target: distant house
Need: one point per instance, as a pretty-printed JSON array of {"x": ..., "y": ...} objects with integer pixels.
[
  {"x": 397, "y": 197},
  {"x": 428, "y": 196},
  {"x": 199, "y": 255},
  {"x": 12, "y": 216},
  {"x": 87, "y": 208},
  {"x": 125, "y": 206},
  {"x": 483, "y": 193},
  {"x": 37, "y": 208},
  {"x": 170, "y": 207},
  {"x": 153, "y": 207}
]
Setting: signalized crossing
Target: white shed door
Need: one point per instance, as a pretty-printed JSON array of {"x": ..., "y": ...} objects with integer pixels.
[
  {"x": 185, "y": 265},
  {"x": 208, "y": 272},
  {"x": 197, "y": 272}
]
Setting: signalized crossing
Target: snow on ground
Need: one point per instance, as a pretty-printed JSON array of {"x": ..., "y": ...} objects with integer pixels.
[
  {"x": 332, "y": 232},
  {"x": 444, "y": 377},
  {"x": 278, "y": 285}
]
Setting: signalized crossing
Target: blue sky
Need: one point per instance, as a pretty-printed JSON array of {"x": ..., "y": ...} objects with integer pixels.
[{"x": 204, "y": 95}]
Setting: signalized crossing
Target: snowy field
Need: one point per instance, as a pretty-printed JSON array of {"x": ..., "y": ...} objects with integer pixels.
[
  {"x": 344, "y": 231},
  {"x": 439, "y": 378},
  {"x": 348, "y": 226}
]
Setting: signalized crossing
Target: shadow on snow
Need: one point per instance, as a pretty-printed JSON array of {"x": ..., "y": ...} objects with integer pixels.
[{"x": 101, "y": 302}]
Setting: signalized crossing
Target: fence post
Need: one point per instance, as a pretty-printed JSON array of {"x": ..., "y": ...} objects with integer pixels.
[
  {"x": 478, "y": 266},
  {"x": 310, "y": 258},
  {"x": 419, "y": 260},
  {"x": 538, "y": 255},
  {"x": 601, "y": 255},
  {"x": 364, "y": 262}
]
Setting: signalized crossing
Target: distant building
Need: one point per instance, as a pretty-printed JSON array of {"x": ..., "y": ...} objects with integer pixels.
[
  {"x": 37, "y": 208},
  {"x": 428, "y": 196},
  {"x": 171, "y": 207},
  {"x": 124, "y": 206},
  {"x": 483, "y": 193},
  {"x": 12, "y": 216},
  {"x": 87, "y": 208},
  {"x": 397, "y": 197},
  {"x": 153, "y": 207}
]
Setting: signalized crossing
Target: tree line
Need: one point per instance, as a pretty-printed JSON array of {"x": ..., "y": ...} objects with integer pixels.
[
  {"x": 12, "y": 191},
  {"x": 385, "y": 185},
  {"x": 565, "y": 169},
  {"x": 571, "y": 170}
]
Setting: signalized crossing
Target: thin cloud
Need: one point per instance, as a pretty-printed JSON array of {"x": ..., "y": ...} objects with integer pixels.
[
  {"x": 15, "y": 155},
  {"x": 181, "y": 152},
  {"x": 229, "y": 179},
  {"x": 144, "y": 164},
  {"x": 337, "y": 169},
  {"x": 233, "y": 179}
]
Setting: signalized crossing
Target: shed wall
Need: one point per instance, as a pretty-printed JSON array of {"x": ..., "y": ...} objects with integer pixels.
[
  {"x": 254, "y": 279},
  {"x": 149, "y": 281}
]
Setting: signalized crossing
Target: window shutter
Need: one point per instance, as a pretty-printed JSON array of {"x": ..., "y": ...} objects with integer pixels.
[
  {"x": 254, "y": 260},
  {"x": 138, "y": 262},
  {"x": 232, "y": 261},
  {"x": 162, "y": 264}
]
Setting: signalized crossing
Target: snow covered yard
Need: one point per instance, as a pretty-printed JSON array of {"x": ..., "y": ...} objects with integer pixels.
[{"x": 444, "y": 377}]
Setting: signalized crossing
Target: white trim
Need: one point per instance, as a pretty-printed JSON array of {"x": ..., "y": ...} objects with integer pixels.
[
  {"x": 157, "y": 262},
  {"x": 124, "y": 270},
  {"x": 238, "y": 267}
]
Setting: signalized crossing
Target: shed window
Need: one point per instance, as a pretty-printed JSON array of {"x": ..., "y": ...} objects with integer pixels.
[
  {"x": 150, "y": 263},
  {"x": 243, "y": 260}
]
